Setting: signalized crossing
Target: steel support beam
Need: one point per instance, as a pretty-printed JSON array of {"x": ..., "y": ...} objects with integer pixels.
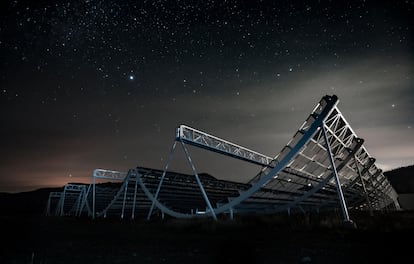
[
  {"x": 187, "y": 154},
  {"x": 363, "y": 186},
  {"x": 62, "y": 202},
  {"x": 104, "y": 174},
  {"x": 93, "y": 196},
  {"x": 335, "y": 173},
  {"x": 135, "y": 195},
  {"x": 161, "y": 179},
  {"x": 125, "y": 194},
  {"x": 85, "y": 201}
]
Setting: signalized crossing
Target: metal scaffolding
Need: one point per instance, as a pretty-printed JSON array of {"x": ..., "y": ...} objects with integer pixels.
[
  {"x": 324, "y": 166},
  {"x": 71, "y": 201}
]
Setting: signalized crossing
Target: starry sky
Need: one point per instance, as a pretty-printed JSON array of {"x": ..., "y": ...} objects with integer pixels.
[{"x": 103, "y": 84}]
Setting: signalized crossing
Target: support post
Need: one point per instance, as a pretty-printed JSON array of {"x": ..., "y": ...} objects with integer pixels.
[
  {"x": 135, "y": 196},
  {"x": 79, "y": 202},
  {"x": 85, "y": 201},
  {"x": 338, "y": 184},
  {"x": 93, "y": 196},
  {"x": 231, "y": 214},
  {"x": 396, "y": 204},
  {"x": 363, "y": 186},
  {"x": 374, "y": 190},
  {"x": 198, "y": 181},
  {"x": 161, "y": 180},
  {"x": 48, "y": 207},
  {"x": 63, "y": 201},
  {"x": 125, "y": 195}
]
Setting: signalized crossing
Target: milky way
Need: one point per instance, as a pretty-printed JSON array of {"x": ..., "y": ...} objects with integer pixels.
[{"x": 103, "y": 84}]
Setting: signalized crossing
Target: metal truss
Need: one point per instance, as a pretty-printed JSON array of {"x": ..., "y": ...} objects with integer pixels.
[
  {"x": 324, "y": 162},
  {"x": 52, "y": 202},
  {"x": 104, "y": 174},
  {"x": 324, "y": 166},
  {"x": 128, "y": 200},
  {"x": 109, "y": 174},
  {"x": 201, "y": 139},
  {"x": 71, "y": 201}
]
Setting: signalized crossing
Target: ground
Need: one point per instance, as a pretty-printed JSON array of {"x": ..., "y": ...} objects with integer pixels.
[{"x": 318, "y": 238}]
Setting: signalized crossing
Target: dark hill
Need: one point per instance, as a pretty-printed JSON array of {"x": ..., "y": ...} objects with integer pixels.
[
  {"x": 34, "y": 202},
  {"x": 26, "y": 203},
  {"x": 402, "y": 179}
]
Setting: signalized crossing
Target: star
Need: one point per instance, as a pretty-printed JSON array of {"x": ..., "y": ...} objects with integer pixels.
[{"x": 139, "y": 62}]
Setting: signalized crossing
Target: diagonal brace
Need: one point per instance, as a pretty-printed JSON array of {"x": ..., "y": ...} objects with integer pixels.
[
  {"x": 198, "y": 180},
  {"x": 338, "y": 184},
  {"x": 363, "y": 186},
  {"x": 161, "y": 180}
]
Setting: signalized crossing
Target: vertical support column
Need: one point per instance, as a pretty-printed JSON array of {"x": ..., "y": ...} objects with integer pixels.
[
  {"x": 396, "y": 204},
  {"x": 125, "y": 195},
  {"x": 363, "y": 186},
  {"x": 57, "y": 211},
  {"x": 80, "y": 205},
  {"x": 62, "y": 201},
  {"x": 135, "y": 195},
  {"x": 161, "y": 180},
  {"x": 231, "y": 214},
  {"x": 338, "y": 184},
  {"x": 93, "y": 196},
  {"x": 85, "y": 201},
  {"x": 374, "y": 190},
  {"x": 48, "y": 207},
  {"x": 203, "y": 192},
  {"x": 79, "y": 201}
]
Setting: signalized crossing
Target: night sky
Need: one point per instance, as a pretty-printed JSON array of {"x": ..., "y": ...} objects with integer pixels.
[{"x": 103, "y": 84}]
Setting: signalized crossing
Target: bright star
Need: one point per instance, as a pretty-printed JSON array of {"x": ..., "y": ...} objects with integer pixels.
[{"x": 131, "y": 77}]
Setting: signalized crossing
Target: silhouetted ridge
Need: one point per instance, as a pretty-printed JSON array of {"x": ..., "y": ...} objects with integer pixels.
[
  {"x": 26, "y": 203},
  {"x": 402, "y": 179}
]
